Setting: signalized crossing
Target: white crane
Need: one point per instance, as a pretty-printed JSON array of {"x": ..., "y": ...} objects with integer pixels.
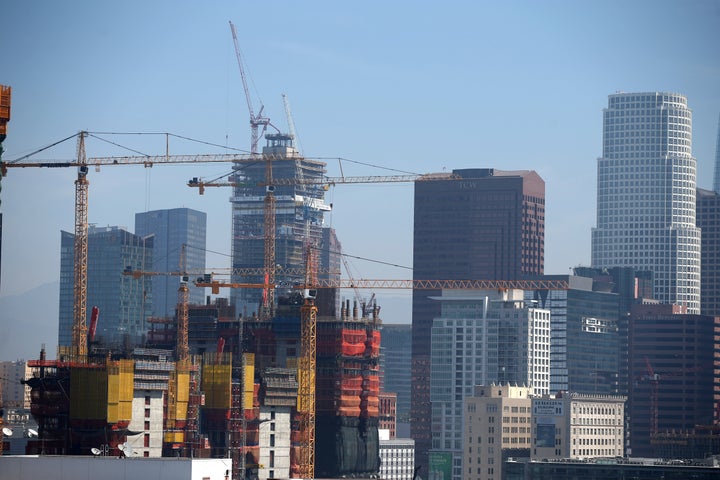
[{"x": 255, "y": 120}]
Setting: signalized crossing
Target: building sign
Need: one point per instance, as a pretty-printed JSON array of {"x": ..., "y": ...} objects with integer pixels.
[
  {"x": 440, "y": 466},
  {"x": 547, "y": 407}
]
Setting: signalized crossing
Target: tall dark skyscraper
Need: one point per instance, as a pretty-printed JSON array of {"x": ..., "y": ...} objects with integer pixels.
[
  {"x": 675, "y": 384},
  {"x": 483, "y": 224},
  {"x": 646, "y": 194},
  {"x": 171, "y": 230}
]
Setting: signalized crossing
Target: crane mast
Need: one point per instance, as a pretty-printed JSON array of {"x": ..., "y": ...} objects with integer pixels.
[
  {"x": 79, "y": 328},
  {"x": 182, "y": 348}
]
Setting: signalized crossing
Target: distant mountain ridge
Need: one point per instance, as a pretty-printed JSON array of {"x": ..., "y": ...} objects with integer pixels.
[{"x": 27, "y": 321}]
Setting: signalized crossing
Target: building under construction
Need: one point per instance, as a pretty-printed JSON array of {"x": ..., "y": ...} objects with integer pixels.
[
  {"x": 268, "y": 379},
  {"x": 298, "y": 195},
  {"x": 143, "y": 402},
  {"x": 258, "y": 403},
  {"x": 133, "y": 403}
]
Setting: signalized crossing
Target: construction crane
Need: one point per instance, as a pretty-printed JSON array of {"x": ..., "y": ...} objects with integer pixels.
[
  {"x": 308, "y": 369},
  {"x": 79, "y": 347},
  {"x": 269, "y": 244},
  {"x": 216, "y": 285},
  {"x": 79, "y": 327},
  {"x": 258, "y": 120},
  {"x": 329, "y": 181}
]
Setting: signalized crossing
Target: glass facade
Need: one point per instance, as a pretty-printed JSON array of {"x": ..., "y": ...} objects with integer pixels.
[
  {"x": 585, "y": 341},
  {"x": 646, "y": 194},
  {"x": 171, "y": 229},
  {"x": 124, "y": 302},
  {"x": 482, "y": 338}
]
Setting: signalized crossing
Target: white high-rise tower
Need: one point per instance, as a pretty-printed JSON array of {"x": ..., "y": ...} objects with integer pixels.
[{"x": 646, "y": 194}]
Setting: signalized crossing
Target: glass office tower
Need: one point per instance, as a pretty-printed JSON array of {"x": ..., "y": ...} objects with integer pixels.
[
  {"x": 124, "y": 302},
  {"x": 171, "y": 229}
]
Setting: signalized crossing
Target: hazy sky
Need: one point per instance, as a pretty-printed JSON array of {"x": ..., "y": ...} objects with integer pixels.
[{"x": 409, "y": 86}]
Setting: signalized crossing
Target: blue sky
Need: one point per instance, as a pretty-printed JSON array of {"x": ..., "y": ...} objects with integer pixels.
[{"x": 409, "y": 86}]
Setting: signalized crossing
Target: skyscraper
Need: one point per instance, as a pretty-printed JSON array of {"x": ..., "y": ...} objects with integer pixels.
[
  {"x": 477, "y": 224},
  {"x": 172, "y": 229},
  {"x": 646, "y": 194},
  {"x": 675, "y": 385},
  {"x": 708, "y": 220},
  {"x": 299, "y": 211},
  {"x": 124, "y": 302}
]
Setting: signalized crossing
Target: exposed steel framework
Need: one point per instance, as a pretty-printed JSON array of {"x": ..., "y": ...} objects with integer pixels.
[
  {"x": 330, "y": 181},
  {"x": 79, "y": 328},
  {"x": 269, "y": 244},
  {"x": 308, "y": 370},
  {"x": 306, "y": 387},
  {"x": 216, "y": 285}
]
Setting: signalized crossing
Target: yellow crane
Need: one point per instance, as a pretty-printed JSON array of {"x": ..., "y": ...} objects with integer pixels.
[{"x": 82, "y": 163}]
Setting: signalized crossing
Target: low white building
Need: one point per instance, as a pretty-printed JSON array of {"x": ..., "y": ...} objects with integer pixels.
[
  {"x": 32, "y": 467},
  {"x": 578, "y": 426},
  {"x": 397, "y": 457}
]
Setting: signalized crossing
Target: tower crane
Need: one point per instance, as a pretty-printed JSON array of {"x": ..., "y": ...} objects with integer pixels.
[
  {"x": 256, "y": 120},
  {"x": 79, "y": 328},
  {"x": 329, "y": 181},
  {"x": 79, "y": 349},
  {"x": 216, "y": 285},
  {"x": 307, "y": 370}
]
